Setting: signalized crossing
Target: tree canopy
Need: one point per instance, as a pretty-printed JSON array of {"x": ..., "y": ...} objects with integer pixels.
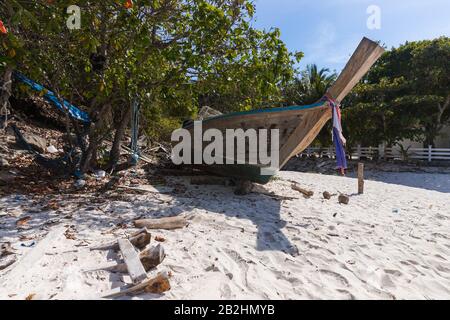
[
  {"x": 173, "y": 56},
  {"x": 405, "y": 95}
]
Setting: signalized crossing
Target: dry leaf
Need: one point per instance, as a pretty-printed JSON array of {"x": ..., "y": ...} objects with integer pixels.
[
  {"x": 70, "y": 234},
  {"x": 30, "y": 296},
  {"x": 23, "y": 221},
  {"x": 53, "y": 205}
]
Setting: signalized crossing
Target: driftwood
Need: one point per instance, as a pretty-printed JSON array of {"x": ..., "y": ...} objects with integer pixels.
[
  {"x": 276, "y": 196},
  {"x": 158, "y": 284},
  {"x": 139, "y": 239},
  {"x": 168, "y": 223},
  {"x": 7, "y": 261},
  {"x": 306, "y": 193},
  {"x": 150, "y": 258},
  {"x": 343, "y": 199},
  {"x": 131, "y": 257}
]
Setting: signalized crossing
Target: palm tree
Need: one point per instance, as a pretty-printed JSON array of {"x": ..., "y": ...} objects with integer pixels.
[{"x": 310, "y": 87}]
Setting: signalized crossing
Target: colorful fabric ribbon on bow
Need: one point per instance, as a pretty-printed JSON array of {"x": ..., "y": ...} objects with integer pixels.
[{"x": 338, "y": 138}]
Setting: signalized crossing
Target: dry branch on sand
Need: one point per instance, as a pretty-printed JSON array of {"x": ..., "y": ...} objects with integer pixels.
[{"x": 167, "y": 223}]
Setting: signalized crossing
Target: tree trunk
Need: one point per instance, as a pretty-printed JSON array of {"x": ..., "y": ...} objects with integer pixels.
[
  {"x": 89, "y": 155},
  {"x": 431, "y": 132},
  {"x": 5, "y": 93},
  {"x": 118, "y": 137}
]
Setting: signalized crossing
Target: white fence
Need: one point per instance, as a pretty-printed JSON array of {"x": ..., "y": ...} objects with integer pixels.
[{"x": 428, "y": 154}]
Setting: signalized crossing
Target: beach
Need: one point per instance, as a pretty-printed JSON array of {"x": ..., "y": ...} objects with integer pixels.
[{"x": 392, "y": 242}]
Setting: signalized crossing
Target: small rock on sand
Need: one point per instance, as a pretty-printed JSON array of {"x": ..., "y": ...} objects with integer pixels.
[
  {"x": 326, "y": 195},
  {"x": 343, "y": 199}
]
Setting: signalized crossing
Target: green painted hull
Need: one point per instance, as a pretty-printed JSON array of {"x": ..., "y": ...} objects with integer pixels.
[{"x": 238, "y": 171}]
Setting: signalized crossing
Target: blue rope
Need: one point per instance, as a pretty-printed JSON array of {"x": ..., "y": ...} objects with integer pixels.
[
  {"x": 50, "y": 96},
  {"x": 135, "y": 133}
]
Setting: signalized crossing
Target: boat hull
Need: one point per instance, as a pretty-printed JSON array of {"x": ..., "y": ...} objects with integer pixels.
[{"x": 297, "y": 127}]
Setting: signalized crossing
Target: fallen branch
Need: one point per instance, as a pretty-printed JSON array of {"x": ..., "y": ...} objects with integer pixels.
[
  {"x": 306, "y": 193},
  {"x": 168, "y": 223}
]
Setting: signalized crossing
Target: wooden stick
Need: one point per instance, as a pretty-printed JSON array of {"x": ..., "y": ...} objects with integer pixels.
[
  {"x": 131, "y": 257},
  {"x": 306, "y": 193},
  {"x": 158, "y": 284},
  {"x": 360, "y": 178},
  {"x": 168, "y": 223}
]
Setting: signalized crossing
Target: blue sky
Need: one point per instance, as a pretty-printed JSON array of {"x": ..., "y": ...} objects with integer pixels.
[{"x": 328, "y": 31}]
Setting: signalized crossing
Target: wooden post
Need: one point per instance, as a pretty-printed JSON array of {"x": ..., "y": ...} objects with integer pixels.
[
  {"x": 381, "y": 151},
  {"x": 429, "y": 153},
  {"x": 360, "y": 178},
  {"x": 358, "y": 150}
]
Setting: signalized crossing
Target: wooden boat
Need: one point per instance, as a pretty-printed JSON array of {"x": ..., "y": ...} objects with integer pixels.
[{"x": 298, "y": 125}]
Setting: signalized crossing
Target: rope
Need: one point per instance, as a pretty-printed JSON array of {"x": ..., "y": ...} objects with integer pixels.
[{"x": 135, "y": 132}]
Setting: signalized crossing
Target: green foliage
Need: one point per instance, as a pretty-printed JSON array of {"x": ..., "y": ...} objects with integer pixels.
[
  {"x": 173, "y": 55},
  {"x": 309, "y": 87},
  {"x": 405, "y": 95}
]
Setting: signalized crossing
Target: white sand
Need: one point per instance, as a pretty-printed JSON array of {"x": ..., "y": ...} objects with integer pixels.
[{"x": 393, "y": 242}]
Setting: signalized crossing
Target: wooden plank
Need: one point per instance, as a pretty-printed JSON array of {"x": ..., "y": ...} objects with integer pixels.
[
  {"x": 366, "y": 54},
  {"x": 168, "y": 223},
  {"x": 22, "y": 267},
  {"x": 131, "y": 258}
]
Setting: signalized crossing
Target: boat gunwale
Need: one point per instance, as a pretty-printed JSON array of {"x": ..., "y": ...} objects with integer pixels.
[{"x": 257, "y": 111}]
